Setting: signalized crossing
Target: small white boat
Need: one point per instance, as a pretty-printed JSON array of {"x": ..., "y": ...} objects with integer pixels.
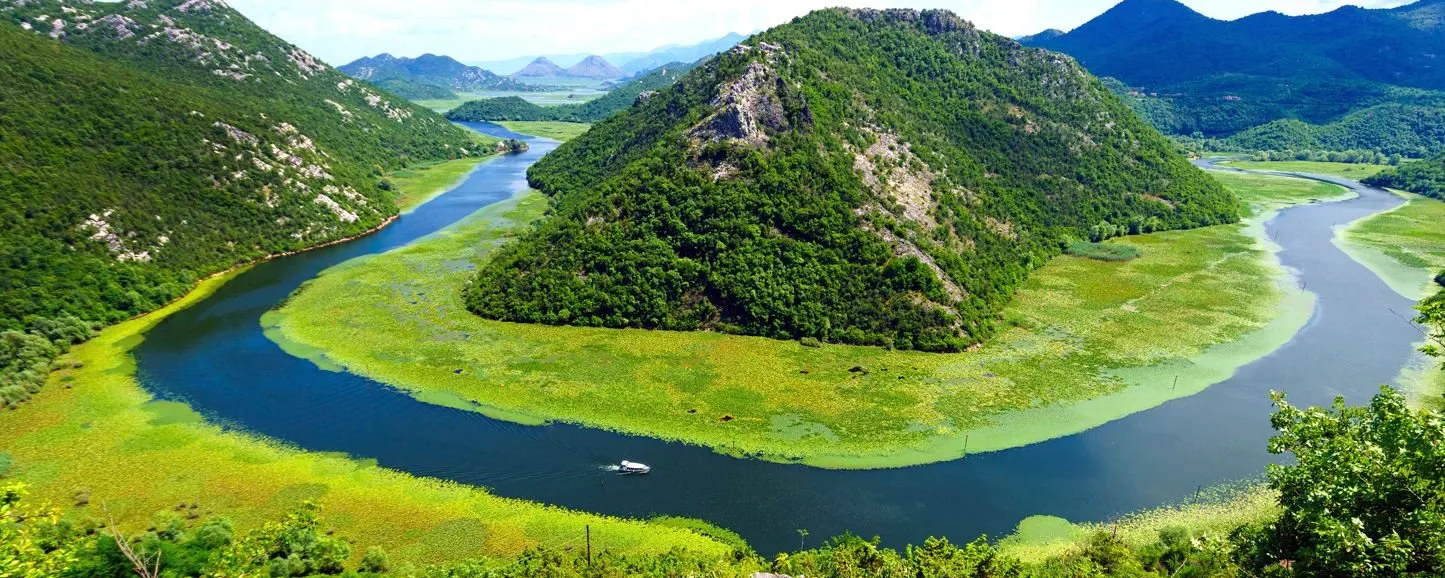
[{"x": 633, "y": 468}]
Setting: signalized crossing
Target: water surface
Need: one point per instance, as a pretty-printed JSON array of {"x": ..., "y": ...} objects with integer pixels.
[{"x": 214, "y": 356}]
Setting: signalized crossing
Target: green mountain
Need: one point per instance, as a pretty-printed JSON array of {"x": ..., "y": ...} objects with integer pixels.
[
  {"x": 1426, "y": 177},
  {"x": 414, "y": 90},
  {"x": 432, "y": 69},
  {"x": 145, "y": 145},
  {"x": 1221, "y": 77},
  {"x": 861, "y": 176},
  {"x": 670, "y": 55},
  {"x": 620, "y": 98},
  {"x": 1412, "y": 131}
]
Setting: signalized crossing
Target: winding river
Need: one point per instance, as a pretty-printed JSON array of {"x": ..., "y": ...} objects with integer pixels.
[{"x": 214, "y": 356}]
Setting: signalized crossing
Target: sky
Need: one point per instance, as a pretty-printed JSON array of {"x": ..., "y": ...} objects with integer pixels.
[{"x": 340, "y": 31}]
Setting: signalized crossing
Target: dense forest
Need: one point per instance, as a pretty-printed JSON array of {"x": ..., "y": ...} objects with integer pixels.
[
  {"x": 138, "y": 160},
  {"x": 866, "y": 177},
  {"x": 1325, "y": 528},
  {"x": 515, "y": 108},
  {"x": 1391, "y": 129},
  {"x": 414, "y": 90},
  {"x": 1193, "y": 74},
  {"x": 1426, "y": 177}
]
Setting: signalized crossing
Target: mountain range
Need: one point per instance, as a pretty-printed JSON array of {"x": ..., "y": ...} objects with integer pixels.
[
  {"x": 618, "y": 99},
  {"x": 431, "y": 69},
  {"x": 807, "y": 183},
  {"x": 630, "y": 62},
  {"x": 147, "y": 145},
  {"x": 592, "y": 67},
  {"x": 1219, "y": 77}
]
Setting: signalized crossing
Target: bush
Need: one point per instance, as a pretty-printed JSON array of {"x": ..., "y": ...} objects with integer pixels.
[{"x": 1102, "y": 252}]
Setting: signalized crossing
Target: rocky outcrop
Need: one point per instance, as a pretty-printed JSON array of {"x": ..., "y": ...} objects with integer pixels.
[{"x": 747, "y": 109}]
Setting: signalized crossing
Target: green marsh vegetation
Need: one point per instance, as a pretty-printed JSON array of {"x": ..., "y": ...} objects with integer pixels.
[
  {"x": 93, "y": 437},
  {"x": 1404, "y": 246},
  {"x": 1086, "y": 341},
  {"x": 555, "y": 130},
  {"x": 1103, "y": 251},
  {"x": 419, "y": 183},
  {"x": 1354, "y": 171}
]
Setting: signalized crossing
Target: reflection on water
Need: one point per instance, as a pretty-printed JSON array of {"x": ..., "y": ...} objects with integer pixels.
[{"x": 214, "y": 356}]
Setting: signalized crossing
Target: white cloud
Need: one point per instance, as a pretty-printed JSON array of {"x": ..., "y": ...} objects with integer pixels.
[{"x": 341, "y": 30}]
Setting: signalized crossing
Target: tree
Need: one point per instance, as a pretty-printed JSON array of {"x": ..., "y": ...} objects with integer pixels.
[
  {"x": 1432, "y": 316},
  {"x": 28, "y": 547},
  {"x": 375, "y": 561},
  {"x": 1366, "y": 496}
]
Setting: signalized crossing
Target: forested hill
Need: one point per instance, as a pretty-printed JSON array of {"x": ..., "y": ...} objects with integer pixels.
[
  {"x": 1426, "y": 177},
  {"x": 620, "y": 98},
  {"x": 144, "y": 145},
  {"x": 873, "y": 177},
  {"x": 1220, "y": 77},
  {"x": 431, "y": 69}
]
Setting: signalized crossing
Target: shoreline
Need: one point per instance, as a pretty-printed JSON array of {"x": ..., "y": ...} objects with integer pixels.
[{"x": 1214, "y": 363}]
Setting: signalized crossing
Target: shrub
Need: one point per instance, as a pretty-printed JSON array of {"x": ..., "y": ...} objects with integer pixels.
[{"x": 1102, "y": 252}]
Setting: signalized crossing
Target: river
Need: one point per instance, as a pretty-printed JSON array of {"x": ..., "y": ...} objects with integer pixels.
[{"x": 214, "y": 356}]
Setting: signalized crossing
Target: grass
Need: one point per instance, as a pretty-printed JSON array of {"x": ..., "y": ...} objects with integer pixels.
[
  {"x": 561, "y": 131},
  {"x": 1088, "y": 342},
  {"x": 1404, "y": 246},
  {"x": 418, "y": 184},
  {"x": 1268, "y": 193},
  {"x": 1217, "y": 511},
  {"x": 1346, "y": 170},
  {"x": 93, "y": 428}
]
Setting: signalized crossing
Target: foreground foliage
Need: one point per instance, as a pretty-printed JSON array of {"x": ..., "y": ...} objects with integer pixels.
[{"x": 785, "y": 191}]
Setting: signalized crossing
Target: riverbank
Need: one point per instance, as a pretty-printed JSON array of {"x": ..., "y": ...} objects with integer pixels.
[
  {"x": 93, "y": 431},
  {"x": 558, "y": 131},
  {"x": 1346, "y": 170},
  {"x": 421, "y": 183},
  {"x": 1089, "y": 342}
]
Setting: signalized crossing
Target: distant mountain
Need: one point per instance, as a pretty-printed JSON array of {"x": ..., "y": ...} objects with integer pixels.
[
  {"x": 861, "y": 176},
  {"x": 1225, "y": 76},
  {"x": 540, "y": 68},
  {"x": 620, "y": 98},
  {"x": 670, "y": 54},
  {"x": 432, "y": 69},
  {"x": 631, "y": 62},
  {"x": 1049, "y": 34},
  {"x": 146, "y": 145},
  {"x": 594, "y": 67}
]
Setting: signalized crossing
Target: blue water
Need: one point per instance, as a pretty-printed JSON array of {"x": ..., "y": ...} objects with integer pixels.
[{"x": 214, "y": 356}]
